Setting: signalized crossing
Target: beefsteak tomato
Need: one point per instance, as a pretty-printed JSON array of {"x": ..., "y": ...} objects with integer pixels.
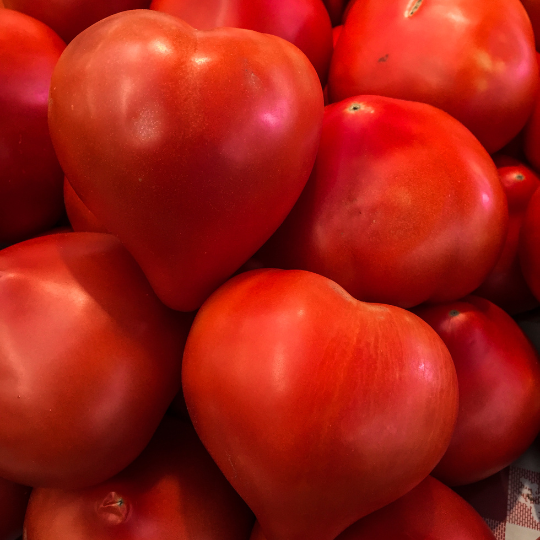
[
  {"x": 90, "y": 359},
  {"x": 318, "y": 408},
  {"x": 474, "y": 59},
  {"x": 190, "y": 146}
]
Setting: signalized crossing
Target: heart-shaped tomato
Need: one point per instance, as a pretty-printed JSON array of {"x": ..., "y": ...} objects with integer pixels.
[
  {"x": 190, "y": 146},
  {"x": 318, "y": 408}
]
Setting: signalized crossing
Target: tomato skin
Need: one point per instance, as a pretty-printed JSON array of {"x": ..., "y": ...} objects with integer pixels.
[
  {"x": 172, "y": 490},
  {"x": 387, "y": 213},
  {"x": 90, "y": 359},
  {"x": 30, "y": 175},
  {"x": 529, "y": 245},
  {"x": 341, "y": 386},
  {"x": 69, "y": 18},
  {"x": 505, "y": 284},
  {"x": 305, "y": 23},
  {"x": 499, "y": 383},
  {"x": 471, "y": 58},
  {"x": 430, "y": 511},
  {"x": 196, "y": 166},
  {"x": 80, "y": 217},
  {"x": 13, "y": 502}
]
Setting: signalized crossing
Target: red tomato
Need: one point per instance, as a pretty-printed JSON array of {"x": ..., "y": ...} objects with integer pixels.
[
  {"x": 431, "y": 511},
  {"x": 305, "y": 23},
  {"x": 473, "y": 59},
  {"x": 318, "y": 408},
  {"x": 13, "y": 502},
  {"x": 403, "y": 205},
  {"x": 172, "y": 491},
  {"x": 499, "y": 388},
  {"x": 80, "y": 217},
  {"x": 505, "y": 284},
  {"x": 529, "y": 245},
  {"x": 70, "y": 17},
  {"x": 190, "y": 146},
  {"x": 89, "y": 359},
  {"x": 30, "y": 175}
]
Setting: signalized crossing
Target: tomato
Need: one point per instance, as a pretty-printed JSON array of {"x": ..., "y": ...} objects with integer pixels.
[
  {"x": 505, "y": 284},
  {"x": 80, "y": 217},
  {"x": 431, "y": 511},
  {"x": 172, "y": 490},
  {"x": 305, "y": 23},
  {"x": 403, "y": 205},
  {"x": 13, "y": 502},
  {"x": 30, "y": 175},
  {"x": 474, "y": 59},
  {"x": 70, "y": 17},
  {"x": 499, "y": 388},
  {"x": 190, "y": 146},
  {"x": 90, "y": 359},
  {"x": 529, "y": 245},
  {"x": 318, "y": 408}
]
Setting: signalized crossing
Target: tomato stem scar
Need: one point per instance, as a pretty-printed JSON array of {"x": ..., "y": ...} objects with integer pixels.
[{"x": 413, "y": 7}]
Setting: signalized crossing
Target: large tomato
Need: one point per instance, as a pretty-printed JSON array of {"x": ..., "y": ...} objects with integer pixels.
[
  {"x": 317, "y": 408},
  {"x": 70, "y": 17},
  {"x": 30, "y": 175},
  {"x": 190, "y": 146},
  {"x": 474, "y": 59},
  {"x": 499, "y": 388},
  {"x": 305, "y": 23},
  {"x": 90, "y": 359},
  {"x": 172, "y": 491},
  {"x": 403, "y": 205},
  {"x": 430, "y": 511}
]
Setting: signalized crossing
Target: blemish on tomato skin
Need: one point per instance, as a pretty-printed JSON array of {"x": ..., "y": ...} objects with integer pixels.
[
  {"x": 113, "y": 509},
  {"x": 413, "y": 7},
  {"x": 454, "y": 312}
]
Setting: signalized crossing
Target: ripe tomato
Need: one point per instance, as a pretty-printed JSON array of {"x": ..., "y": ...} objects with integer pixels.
[
  {"x": 403, "y": 205},
  {"x": 172, "y": 490},
  {"x": 474, "y": 59},
  {"x": 90, "y": 359},
  {"x": 30, "y": 175},
  {"x": 505, "y": 284},
  {"x": 318, "y": 408},
  {"x": 70, "y": 17},
  {"x": 190, "y": 146},
  {"x": 305, "y": 23},
  {"x": 431, "y": 511},
  {"x": 499, "y": 388}
]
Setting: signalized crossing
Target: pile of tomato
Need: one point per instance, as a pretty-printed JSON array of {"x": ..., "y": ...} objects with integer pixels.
[{"x": 262, "y": 263}]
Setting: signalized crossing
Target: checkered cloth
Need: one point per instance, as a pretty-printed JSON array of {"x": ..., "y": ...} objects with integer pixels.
[{"x": 509, "y": 501}]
